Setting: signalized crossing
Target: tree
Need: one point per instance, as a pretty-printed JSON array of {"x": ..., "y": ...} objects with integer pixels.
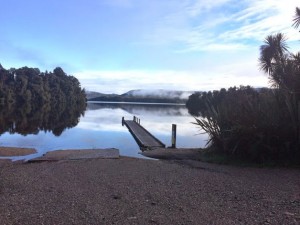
[
  {"x": 297, "y": 18},
  {"x": 283, "y": 68}
]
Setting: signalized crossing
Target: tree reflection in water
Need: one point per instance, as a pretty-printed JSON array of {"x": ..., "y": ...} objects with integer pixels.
[{"x": 30, "y": 119}]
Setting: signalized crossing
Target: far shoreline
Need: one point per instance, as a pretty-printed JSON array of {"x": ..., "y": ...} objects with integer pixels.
[{"x": 138, "y": 103}]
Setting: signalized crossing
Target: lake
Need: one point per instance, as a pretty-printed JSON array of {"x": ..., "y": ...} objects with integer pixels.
[{"x": 100, "y": 127}]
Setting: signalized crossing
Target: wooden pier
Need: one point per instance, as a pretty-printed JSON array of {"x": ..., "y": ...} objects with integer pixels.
[{"x": 144, "y": 138}]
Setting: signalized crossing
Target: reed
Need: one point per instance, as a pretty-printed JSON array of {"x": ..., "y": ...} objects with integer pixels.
[{"x": 248, "y": 123}]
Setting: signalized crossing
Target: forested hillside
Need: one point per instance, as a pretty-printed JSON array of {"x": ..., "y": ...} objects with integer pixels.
[{"x": 29, "y": 85}]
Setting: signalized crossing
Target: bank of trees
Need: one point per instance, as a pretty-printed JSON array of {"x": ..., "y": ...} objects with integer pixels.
[
  {"x": 257, "y": 124},
  {"x": 30, "y": 86}
]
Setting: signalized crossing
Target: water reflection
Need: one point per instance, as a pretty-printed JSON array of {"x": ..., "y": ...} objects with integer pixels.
[
  {"x": 158, "y": 119},
  {"x": 143, "y": 108},
  {"x": 99, "y": 127},
  {"x": 31, "y": 120}
]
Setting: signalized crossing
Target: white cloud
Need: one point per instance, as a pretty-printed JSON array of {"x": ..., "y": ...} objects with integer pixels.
[
  {"x": 262, "y": 18},
  {"x": 197, "y": 7},
  {"x": 214, "y": 47},
  {"x": 204, "y": 25},
  {"x": 235, "y": 74}
]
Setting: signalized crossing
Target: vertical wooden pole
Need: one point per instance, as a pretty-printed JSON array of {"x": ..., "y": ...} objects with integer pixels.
[
  {"x": 134, "y": 118},
  {"x": 173, "y": 135},
  {"x": 122, "y": 121}
]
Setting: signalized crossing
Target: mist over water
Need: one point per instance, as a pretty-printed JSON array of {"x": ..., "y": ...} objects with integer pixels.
[
  {"x": 100, "y": 127},
  {"x": 160, "y": 93}
]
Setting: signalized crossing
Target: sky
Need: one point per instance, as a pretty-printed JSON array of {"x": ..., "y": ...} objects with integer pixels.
[{"x": 113, "y": 46}]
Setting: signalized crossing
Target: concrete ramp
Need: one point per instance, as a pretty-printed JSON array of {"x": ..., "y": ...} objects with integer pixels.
[{"x": 78, "y": 154}]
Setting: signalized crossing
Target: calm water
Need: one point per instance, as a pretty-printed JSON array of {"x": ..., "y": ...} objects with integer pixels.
[{"x": 101, "y": 127}]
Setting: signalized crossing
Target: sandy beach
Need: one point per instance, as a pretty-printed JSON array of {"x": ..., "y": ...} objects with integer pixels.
[
  {"x": 139, "y": 191},
  {"x": 11, "y": 151}
]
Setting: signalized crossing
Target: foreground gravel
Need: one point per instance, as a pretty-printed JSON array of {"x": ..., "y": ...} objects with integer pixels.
[{"x": 137, "y": 191}]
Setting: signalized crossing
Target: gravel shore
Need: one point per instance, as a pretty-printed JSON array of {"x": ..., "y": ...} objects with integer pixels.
[{"x": 138, "y": 191}]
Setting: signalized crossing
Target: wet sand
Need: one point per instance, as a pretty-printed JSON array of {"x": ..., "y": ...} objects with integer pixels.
[{"x": 11, "y": 151}]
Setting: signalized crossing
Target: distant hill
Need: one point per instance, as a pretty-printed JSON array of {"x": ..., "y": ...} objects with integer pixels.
[
  {"x": 149, "y": 96},
  {"x": 93, "y": 94}
]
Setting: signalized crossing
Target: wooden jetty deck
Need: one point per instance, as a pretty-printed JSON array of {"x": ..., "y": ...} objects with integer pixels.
[{"x": 143, "y": 137}]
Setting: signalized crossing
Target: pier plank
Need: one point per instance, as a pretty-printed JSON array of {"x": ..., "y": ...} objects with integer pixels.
[{"x": 143, "y": 137}]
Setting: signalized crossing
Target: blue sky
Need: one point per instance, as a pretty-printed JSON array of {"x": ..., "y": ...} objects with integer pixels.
[{"x": 113, "y": 46}]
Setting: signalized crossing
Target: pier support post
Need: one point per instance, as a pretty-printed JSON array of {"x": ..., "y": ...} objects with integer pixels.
[
  {"x": 173, "y": 135},
  {"x": 122, "y": 121}
]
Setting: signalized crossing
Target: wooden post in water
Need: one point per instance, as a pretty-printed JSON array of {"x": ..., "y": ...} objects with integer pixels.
[
  {"x": 173, "y": 135},
  {"x": 122, "y": 121}
]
